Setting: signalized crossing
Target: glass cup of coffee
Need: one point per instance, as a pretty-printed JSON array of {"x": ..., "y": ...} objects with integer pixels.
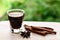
[{"x": 15, "y": 17}]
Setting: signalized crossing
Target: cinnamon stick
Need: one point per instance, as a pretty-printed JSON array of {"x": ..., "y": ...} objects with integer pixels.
[{"x": 49, "y": 30}]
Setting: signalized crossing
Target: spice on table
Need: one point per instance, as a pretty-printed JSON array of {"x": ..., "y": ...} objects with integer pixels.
[
  {"x": 40, "y": 30},
  {"x": 25, "y": 34},
  {"x": 49, "y": 30}
]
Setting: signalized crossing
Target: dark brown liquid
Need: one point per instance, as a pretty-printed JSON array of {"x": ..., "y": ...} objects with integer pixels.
[{"x": 16, "y": 22}]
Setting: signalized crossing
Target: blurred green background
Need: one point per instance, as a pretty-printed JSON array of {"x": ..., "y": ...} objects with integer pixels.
[{"x": 35, "y": 10}]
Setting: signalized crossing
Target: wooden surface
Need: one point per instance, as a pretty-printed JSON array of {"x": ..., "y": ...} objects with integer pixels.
[{"x": 5, "y": 33}]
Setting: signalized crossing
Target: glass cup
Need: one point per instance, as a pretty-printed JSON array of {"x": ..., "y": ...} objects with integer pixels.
[{"x": 15, "y": 17}]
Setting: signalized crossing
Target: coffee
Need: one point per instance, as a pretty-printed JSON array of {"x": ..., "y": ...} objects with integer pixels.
[{"x": 15, "y": 19}]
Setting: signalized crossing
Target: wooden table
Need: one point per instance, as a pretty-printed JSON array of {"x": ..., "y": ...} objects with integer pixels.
[{"x": 5, "y": 33}]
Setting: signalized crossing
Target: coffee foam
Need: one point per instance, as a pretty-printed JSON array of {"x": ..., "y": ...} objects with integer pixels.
[{"x": 15, "y": 14}]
